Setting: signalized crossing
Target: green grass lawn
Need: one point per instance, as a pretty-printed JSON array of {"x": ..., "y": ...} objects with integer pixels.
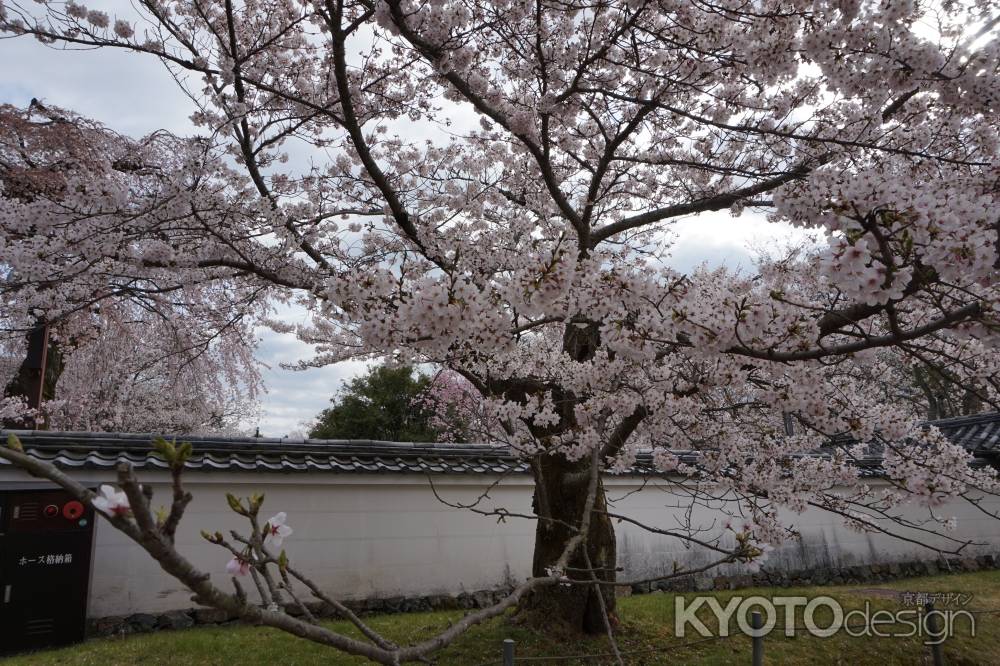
[{"x": 647, "y": 623}]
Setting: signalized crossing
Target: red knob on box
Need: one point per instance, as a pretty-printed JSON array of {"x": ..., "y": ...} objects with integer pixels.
[
  {"x": 72, "y": 510},
  {"x": 51, "y": 511}
]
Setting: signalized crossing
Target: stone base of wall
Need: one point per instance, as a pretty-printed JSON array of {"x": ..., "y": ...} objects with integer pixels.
[
  {"x": 183, "y": 619},
  {"x": 853, "y": 575}
]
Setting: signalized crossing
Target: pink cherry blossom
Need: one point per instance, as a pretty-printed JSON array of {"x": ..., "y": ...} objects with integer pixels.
[
  {"x": 238, "y": 566},
  {"x": 123, "y": 29},
  {"x": 98, "y": 19}
]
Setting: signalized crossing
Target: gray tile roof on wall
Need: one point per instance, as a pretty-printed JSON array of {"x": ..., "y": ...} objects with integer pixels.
[
  {"x": 86, "y": 450},
  {"x": 265, "y": 454},
  {"x": 980, "y": 434}
]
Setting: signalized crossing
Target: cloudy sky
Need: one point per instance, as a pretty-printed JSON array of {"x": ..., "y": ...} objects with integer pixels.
[{"x": 135, "y": 95}]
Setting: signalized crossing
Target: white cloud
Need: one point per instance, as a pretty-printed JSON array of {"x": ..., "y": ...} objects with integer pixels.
[
  {"x": 719, "y": 239},
  {"x": 131, "y": 94},
  {"x": 294, "y": 397}
]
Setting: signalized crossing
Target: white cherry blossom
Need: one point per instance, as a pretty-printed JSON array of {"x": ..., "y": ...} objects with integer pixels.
[
  {"x": 275, "y": 530},
  {"x": 111, "y": 502}
]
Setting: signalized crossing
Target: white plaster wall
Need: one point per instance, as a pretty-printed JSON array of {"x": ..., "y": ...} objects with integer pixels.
[
  {"x": 824, "y": 539},
  {"x": 387, "y": 535},
  {"x": 356, "y": 535}
]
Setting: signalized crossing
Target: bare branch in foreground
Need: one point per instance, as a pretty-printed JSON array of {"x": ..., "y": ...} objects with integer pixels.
[{"x": 144, "y": 531}]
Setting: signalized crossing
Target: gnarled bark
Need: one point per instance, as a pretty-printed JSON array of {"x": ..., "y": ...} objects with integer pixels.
[{"x": 559, "y": 502}]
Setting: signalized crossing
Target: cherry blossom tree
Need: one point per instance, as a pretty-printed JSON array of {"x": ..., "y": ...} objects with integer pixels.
[
  {"x": 526, "y": 254},
  {"x": 127, "y": 371},
  {"x": 85, "y": 226}
]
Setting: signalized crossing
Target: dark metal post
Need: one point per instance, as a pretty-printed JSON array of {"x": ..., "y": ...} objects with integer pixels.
[
  {"x": 508, "y": 652},
  {"x": 757, "y": 622},
  {"x": 933, "y": 628}
]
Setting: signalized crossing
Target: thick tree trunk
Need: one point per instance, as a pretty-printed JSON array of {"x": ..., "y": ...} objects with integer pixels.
[
  {"x": 43, "y": 355},
  {"x": 560, "y": 496},
  {"x": 560, "y": 501}
]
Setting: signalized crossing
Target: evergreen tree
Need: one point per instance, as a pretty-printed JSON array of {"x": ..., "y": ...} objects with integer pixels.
[{"x": 383, "y": 405}]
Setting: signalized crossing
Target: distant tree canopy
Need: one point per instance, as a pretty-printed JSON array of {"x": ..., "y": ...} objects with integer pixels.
[{"x": 382, "y": 404}]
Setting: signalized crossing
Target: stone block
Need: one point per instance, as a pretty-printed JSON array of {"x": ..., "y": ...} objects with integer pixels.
[
  {"x": 174, "y": 620},
  {"x": 141, "y": 621},
  {"x": 210, "y": 616}
]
